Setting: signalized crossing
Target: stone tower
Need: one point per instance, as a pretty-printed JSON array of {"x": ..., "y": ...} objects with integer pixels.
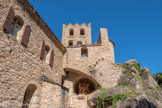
[
  {"x": 83, "y": 60},
  {"x": 76, "y": 34},
  {"x": 91, "y": 65}
]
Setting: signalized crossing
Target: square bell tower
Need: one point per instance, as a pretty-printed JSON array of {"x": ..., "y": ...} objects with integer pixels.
[{"x": 76, "y": 35}]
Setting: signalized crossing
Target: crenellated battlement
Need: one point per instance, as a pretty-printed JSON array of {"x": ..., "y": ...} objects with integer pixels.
[{"x": 76, "y": 25}]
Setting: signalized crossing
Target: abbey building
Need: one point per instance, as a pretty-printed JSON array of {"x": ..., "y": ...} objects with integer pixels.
[{"x": 38, "y": 71}]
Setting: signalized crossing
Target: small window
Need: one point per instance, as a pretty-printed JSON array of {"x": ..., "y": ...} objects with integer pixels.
[
  {"x": 79, "y": 43},
  {"x": 47, "y": 49},
  {"x": 71, "y": 32},
  {"x": 70, "y": 43},
  {"x": 16, "y": 26},
  {"x": 84, "y": 52},
  {"x": 82, "y": 31}
]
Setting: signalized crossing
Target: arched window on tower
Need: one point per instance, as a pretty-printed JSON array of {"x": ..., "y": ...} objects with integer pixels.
[
  {"x": 28, "y": 95},
  {"x": 16, "y": 26},
  {"x": 70, "y": 43},
  {"x": 71, "y": 32},
  {"x": 79, "y": 43},
  {"x": 82, "y": 32},
  {"x": 84, "y": 52}
]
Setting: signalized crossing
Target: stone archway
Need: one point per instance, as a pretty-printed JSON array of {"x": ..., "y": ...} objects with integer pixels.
[
  {"x": 74, "y": 78},
  {"x": 71, "y": 80}
]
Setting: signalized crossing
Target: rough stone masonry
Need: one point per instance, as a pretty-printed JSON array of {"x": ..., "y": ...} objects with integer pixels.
[{"x": 37, "y": 71}]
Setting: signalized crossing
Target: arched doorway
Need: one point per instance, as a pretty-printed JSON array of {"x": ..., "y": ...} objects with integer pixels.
[{"x": 28, "y": 95}]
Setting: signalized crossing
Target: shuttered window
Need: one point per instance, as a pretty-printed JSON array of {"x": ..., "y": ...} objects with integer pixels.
[
  {"x": 16, "y": 26},
  {"x": 26, "y": 36},
  {"x": 42, "y": 53},
  {"x": 13, "y": 23},
  {"x": 52, "y": 58},
  {"x": 9, "y": 20}
]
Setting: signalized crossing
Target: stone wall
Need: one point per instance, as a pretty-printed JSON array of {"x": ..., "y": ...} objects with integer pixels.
[
  {"x": 20, "y": 66},
  {"x": 101, "y": 72},
  {"x": 100, "y": 60}
]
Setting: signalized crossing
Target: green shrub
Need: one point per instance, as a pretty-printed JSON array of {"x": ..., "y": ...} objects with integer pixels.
[{"x": 104, "y": 100}]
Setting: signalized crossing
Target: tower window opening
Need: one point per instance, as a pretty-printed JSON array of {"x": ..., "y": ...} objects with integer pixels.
[
  {"x": 84, "y": 52},
  {"x": 79, "y": 43},
  {"x": 82, "y": 32},
  {"x": 71, "y": 32},
  {"x": 70, "y": 43}
]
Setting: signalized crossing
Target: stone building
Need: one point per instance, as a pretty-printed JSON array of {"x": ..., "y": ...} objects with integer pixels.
[{"x": 37, "y": 71}]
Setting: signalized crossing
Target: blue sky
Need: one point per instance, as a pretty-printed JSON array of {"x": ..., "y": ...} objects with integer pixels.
[{"x": 134, "y": 25}]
